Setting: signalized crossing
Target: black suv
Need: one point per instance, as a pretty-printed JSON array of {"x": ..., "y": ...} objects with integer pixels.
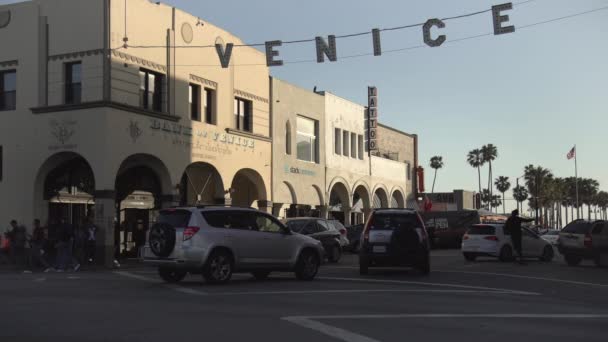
[{"x": 394, "y": 237}]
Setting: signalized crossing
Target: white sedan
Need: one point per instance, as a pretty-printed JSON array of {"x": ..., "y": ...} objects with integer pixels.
[
  {"x": 491, "y": 240},
  {"x": 552, "y": 237}
]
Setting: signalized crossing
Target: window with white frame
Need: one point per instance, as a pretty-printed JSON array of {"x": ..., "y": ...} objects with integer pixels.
[
  {"x": 243, "y": 114},
  {"x": 306, "y": 140}
]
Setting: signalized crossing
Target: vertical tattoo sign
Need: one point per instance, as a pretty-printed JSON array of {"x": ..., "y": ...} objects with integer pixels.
[{"x": 372, "y": 119}]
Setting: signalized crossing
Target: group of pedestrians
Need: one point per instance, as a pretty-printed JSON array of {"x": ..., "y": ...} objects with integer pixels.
[{"x": 59, "y": 246}]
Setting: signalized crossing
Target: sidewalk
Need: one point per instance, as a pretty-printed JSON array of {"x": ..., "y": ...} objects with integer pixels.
[{"x": 129, "y": 264}]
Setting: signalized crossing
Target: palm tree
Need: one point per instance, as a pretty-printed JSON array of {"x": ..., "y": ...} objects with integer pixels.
[
  {"x": 520, "y": 194},
  {"x": 489, "y": 153},
  {"x": 588, "y": 188},
  {"x": 602, "y": 202},
  {"x": 436, "y": 163},
  {"x": 475, "y": 159},
  {"x": 503, "y": 185},
  {"x": 536, "y": 179}
]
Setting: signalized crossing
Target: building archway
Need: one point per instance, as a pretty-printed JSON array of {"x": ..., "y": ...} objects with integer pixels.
[
  {"x": 247, "y": 188},
  {"x": 339, "y": 203},
  {"x": 201, "y": 184},
  {"x": 141, "y": 182},
  {"x": 397, "y": 200},
  {"x": 380, "y": 198},
  {"x": 361, "y": 205},
  {"x": 64, "y": 188}
]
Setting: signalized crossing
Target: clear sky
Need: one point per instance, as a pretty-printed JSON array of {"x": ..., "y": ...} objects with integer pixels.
[{"x": 534, "y": 93}]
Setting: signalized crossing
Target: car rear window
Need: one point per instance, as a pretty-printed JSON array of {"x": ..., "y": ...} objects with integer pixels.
[
  {"x": 482, "y": 230},
  {"x": 297, "y": 225},
  {"x": 578, "y": 228},
  {"x": 393, "y": 221},
  {"x": 175, "y": 217},
  {"x": 230, "y": 219}
]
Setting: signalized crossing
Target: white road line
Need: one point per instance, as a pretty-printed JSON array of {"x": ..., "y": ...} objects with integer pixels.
[
  {"x": 310, "y": 322},
  {"x": 176, "y": 288},
  {"x": 349, "y": 291},
  {"x": 526, "y": 277},
  {"x": 407, "y": 282},
  {"x": 335, "y": 332},
  {"x": 488, "y": 315}
]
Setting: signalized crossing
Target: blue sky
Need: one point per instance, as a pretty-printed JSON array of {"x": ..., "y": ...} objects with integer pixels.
[{"x": 534, "y": 93}]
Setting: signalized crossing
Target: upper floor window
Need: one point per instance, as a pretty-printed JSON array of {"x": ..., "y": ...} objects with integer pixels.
[
  {"x": 209, "y": 110},
  {"x": 150, "y": 90},
  {"x": 307, "y": 139},
  {"x": 409, "y": 171},
  {"x": 353, "y": 145},
  {"x": 8, "y": 90},
  {"x": 73, "y": 83},
  {"x": 345, "y": 144},
  {"x": 360, "y": 139},
  {"x": 243, "y": 114},
  {"x": 288, "y": 138},
  {"x": 194, "y": 96},
  {"x": 338, "y": 141}
]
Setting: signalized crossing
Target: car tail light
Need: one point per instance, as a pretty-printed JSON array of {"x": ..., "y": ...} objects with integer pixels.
[
  {"x": 423, "y": 227},
  {"x": 189, "y": 232},
  {"x": 343, "y": 231},
  {"x": 465, "y": 237},
  {"x": 366, "y": 228},
  {"x": 588, "y": 241},
  {"x": 491, "y": 238}
]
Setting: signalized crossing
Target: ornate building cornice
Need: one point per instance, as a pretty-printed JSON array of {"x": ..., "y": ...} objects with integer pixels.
[
  {"x": 250, "y": 96},
  {"x": 139, "y": 61},
  {"x": 78, "y": 54},
  {"x": 203, "y": 81}
]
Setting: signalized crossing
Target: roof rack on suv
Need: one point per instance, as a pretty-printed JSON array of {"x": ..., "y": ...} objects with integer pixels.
[
  {"x": 223, "y": 206},
  {"x": 404, "y": 209}
]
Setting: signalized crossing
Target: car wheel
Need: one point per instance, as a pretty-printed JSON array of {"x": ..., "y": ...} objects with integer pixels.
[
  {"x": 335, "y": 254},
  {"x": 548, "y": 254},
  {"x": 363, "y": 266},
  {"x": 171, "y": 275},
  {"x": 219, "y": 267},
  {"x": 307, "y": 266},
  {"x": 261, "y": 275},
  {"x": 573, "y": 260},
  {"x": 506, "y": 254},
  {"x": 470, "y": 256}
]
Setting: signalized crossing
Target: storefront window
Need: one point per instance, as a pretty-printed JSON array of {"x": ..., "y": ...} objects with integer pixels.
[{"x": 307, "y": 139}]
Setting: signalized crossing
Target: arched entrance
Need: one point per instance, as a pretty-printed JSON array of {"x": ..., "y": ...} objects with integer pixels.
[
  {"x": 380, "y": 198},
  {"x": 339, "y": 202},
  {"x": 141, "y": 182},
  {"x": 361, "y": 205},
  {"x": 66, "y": 185},
  {"x": 397, "y": 200},
  {"x": 201, "y": 184},
  {"x": 247, "y": 188}
]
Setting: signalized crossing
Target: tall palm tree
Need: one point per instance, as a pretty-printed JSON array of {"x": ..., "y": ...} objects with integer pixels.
[
  {"x": 536, "y": 179},
  {"x": 602, "y": 202},
  {"x": 489, "y": 153},
  {"x": 588, "y": 188},
  {"x": 436, "y": 163},
  {"x": 475, "y": 159},
  {"x": 503, "y": 185},
  {"x": 520, "y": 194}
]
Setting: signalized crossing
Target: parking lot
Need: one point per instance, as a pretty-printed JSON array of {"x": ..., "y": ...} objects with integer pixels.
[{"x": 462, "y": 300}]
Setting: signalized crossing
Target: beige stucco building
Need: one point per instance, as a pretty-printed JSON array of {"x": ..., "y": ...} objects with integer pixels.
[
  {"x": 88, "y": 125},
  {"x": 93, "y": 127}
]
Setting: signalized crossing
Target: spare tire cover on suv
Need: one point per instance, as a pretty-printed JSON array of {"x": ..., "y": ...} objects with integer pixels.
[{"x": 162, "y": 239}]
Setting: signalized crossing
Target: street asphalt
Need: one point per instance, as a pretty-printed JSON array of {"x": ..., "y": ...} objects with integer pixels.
[{"x": 459, "y": 301}]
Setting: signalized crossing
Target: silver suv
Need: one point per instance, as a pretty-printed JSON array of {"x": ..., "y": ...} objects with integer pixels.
[{"x": 217, "y": 241}]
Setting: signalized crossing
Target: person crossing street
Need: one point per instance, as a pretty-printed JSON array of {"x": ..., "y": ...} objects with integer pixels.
[{"x": 513, "y": 227}]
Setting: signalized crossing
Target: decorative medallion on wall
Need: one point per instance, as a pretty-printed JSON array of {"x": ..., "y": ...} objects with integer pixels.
[
  {"x": 62, "y": 131},
  {"x": 5, "y": 18},
  {"x": 187, "y": 33},
  {"x": 134, "y": 131}
]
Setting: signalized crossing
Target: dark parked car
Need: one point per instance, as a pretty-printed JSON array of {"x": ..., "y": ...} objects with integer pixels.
[
  {"x": 395, "y": 237},
  {"x": 321, "y": 230},
  {"x": 354, "y": 237}
]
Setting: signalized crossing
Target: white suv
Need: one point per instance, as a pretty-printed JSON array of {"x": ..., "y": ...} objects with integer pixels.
[{"x": 217, "y": 241}]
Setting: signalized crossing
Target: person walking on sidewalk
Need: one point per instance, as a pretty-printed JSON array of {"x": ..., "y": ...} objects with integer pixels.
[
  {"x": 91, "y": 240},
  {"x": 513, "y": 227},
  {"x": 65, "y": 246},
  {"x": 37, "y": 244},
  {"x": 18, "y": 238}
]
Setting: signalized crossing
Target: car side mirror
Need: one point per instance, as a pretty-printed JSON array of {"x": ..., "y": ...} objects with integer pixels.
[{"x": 285, "y": 230}]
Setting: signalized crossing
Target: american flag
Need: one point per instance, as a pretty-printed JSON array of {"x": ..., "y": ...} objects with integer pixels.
[{"x": 572, "y": 153}]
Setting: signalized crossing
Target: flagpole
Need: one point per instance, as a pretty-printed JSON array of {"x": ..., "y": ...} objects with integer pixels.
[{"x": 576, "y": 182}]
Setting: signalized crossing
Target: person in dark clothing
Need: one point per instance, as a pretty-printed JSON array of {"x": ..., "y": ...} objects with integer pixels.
[
  {"x": 513, "y": 227},
  {"x": 18, "y": 238},
  {"x": 37, "y": 243},
  {"x": 65, "y": 235}
]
